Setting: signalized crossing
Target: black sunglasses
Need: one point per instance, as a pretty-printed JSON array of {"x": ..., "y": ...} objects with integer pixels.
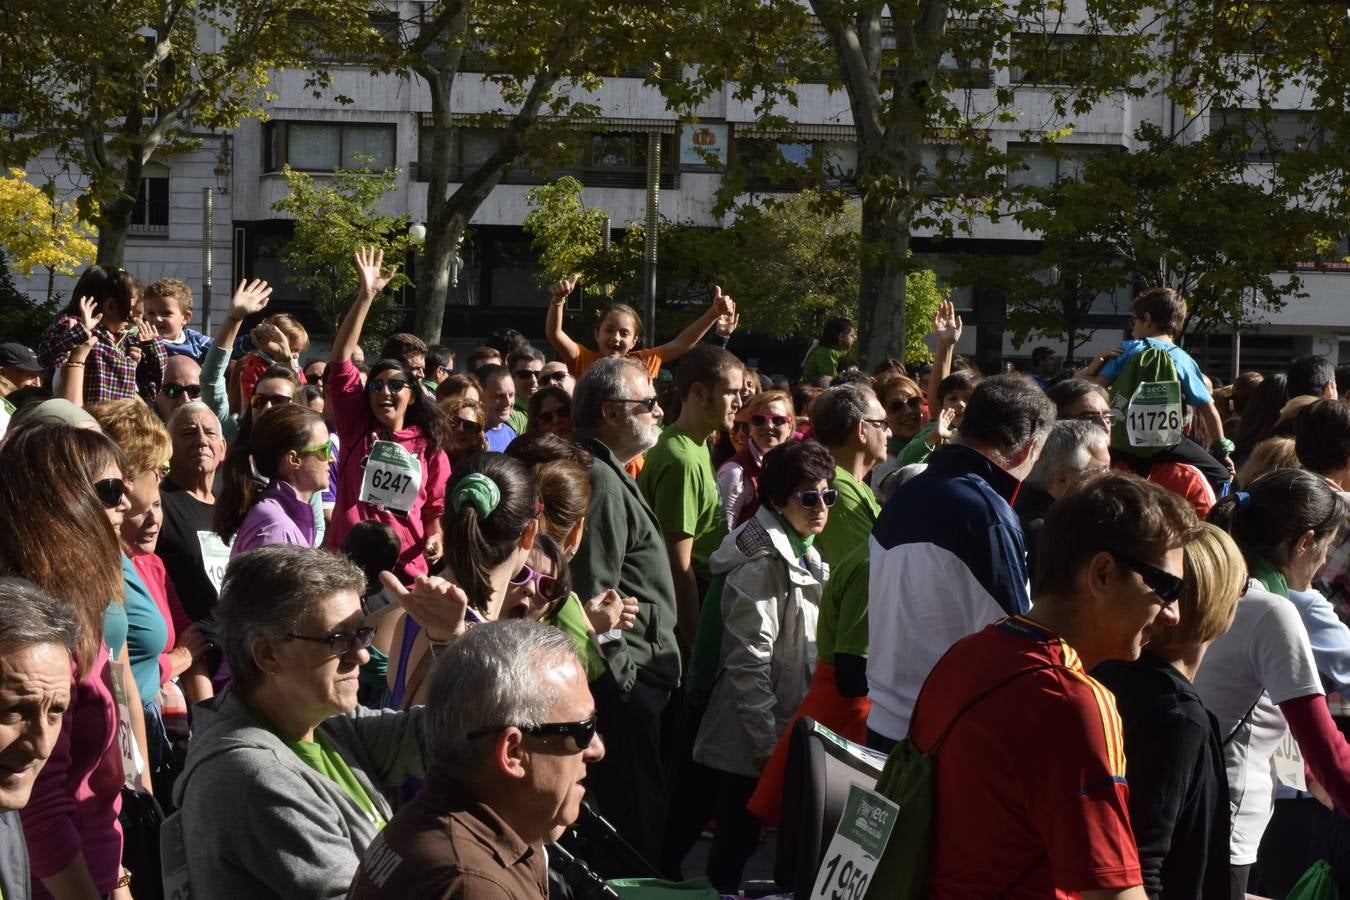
[
  {"x": 468, "y": 425},
  {"x": 339, "y": 642},
  {"x": 555, "y": 377},
  {"x": 110, "y": 492},
  {"x": 577, "y": 735},
  {"x": 1167, "y": 586},
  {"x": 809, "y": 499},
  {"x": 392, "y": 385},
  {"x": 649, "y": 402},
  {"x": 523, "y": 374},
  {"x": 912, "y": 403},
  {"x": 173, "y": 391}
]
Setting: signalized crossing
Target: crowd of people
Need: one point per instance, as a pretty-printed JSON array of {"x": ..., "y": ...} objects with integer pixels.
[{"x": 388, "y": 629}]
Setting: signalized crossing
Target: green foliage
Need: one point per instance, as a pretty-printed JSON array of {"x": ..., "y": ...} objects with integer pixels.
[
  {"x": 334, "y": 217},
  {"x": 569, "y": 238},
  {"x": 22, "y": 318}
]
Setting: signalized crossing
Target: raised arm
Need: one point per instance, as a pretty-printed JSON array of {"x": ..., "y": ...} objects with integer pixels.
[
  {"x": 72, "y": 368},
  {"x": 250, "y": 298},
  {"x": 722, "y": 305},
  {"x": 568, "y": 351},
  {"x": 947, "y": 331},
  {"x": 374, "y": 277}
]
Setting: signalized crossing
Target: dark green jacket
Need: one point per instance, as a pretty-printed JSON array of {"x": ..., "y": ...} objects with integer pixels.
[{"x": 624, "y": 549}]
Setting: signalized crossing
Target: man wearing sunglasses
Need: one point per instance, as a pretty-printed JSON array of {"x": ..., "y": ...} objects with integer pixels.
[
  {"x": 507, "y": 773},
  {"x": 182, "y": 384},
  {"x": 527, "y": 368},
  {"x": 851, "y": 422},
  {"x": 1030, "y": 790}
]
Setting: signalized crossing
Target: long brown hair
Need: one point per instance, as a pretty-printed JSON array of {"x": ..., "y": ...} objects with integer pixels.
[
  {"x": 275, "y": 434},
  {"x": 58, "y": 535}
]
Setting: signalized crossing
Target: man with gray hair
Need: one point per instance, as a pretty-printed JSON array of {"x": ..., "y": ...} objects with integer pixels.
[
  {"x": 511, "y": 727},
  {"x": 851, "y": 422},
  {"x": 616, "y": 418},
  {"x": 38, "y": 636},
  {"x": 1073, "y": 449}
]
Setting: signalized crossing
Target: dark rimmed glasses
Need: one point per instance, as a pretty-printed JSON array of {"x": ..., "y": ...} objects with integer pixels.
[
  {"x": 1164, "y": 584},
  {"x": 649, "y": 402},
  {"x": 173, "y": 390},
  {"x": 759, "y": 420},
  {"x": 340, "y": 643},
  {"x": 899, "y": 405},
  {"x": 392, "y": 385},
  {"x": 110, "y": 492},
  {"x": 558, "y": 377},
  {"x": 576, "y": 735},
  {"x": 470, "y": 426},
  {"x": 809, "y": 499}
]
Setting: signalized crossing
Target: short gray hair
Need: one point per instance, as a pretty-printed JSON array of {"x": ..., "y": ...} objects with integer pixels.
[
  {"x": 1066, "y": 450},
  {"x": 267, "y": 591},
  {"x": 602, "y": 382},
  {"x": 491, "y": 678},
  {"x": 30, "y": 616},
  {"x": 189, "y": 407},
  {"x": 837, "y": 412}
]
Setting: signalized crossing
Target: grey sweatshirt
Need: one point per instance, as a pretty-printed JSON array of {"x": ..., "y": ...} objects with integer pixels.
[{"x": 258, "y": 823}]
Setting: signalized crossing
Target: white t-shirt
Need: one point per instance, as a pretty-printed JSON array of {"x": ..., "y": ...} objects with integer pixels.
[{"x": 1264, "y": 659}]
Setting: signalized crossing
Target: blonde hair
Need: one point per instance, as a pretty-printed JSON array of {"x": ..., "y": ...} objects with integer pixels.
[
  {"x": 171, "y": 289},
  {"x": 1268, "y": 456},
  {"x": 138, "y": 432},
  {"x": 1216, "y": 576},
  {"x": 888, "y": 383},
  {"x": 763, "y": 399},
  {"x": 295, "y": 333}
]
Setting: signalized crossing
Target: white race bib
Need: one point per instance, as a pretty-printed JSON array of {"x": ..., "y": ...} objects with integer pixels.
[
  {"x": 1288, "y": 764},
  {"x": 1153, "y": 417},
  {"x": 864, "y": 828},
  {"x": 392, "y": 478},
  {"x": 215, "y": 556},
  {"x": 132, "y": 763}
]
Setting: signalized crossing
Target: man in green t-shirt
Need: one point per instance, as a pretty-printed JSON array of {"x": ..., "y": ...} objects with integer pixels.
[
  {"x": 678, "y": 479},
  {"x": 851, "y": 422},
  {"x": 525, "y": 365}
]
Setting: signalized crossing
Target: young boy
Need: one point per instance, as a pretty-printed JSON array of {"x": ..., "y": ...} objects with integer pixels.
[
  {"x": 1158, "y": 317},
  {"x": 168, "y": 309},
  {"x": 279, "y": 340}
]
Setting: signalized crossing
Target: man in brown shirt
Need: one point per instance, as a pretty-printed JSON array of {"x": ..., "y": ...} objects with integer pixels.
[{"x": 511, "y": 728}]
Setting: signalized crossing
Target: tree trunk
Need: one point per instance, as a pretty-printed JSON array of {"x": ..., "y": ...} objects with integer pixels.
[
  {"x": 881, "y": 283},
  {"x": 113, "y": 223}
]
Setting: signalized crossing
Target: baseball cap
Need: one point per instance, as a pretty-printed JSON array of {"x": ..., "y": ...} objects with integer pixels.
[{"x": 17, "y": 356}]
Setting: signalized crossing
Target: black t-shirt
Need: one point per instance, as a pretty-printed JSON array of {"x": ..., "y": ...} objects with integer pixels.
[{"x": 187, "y": 524}]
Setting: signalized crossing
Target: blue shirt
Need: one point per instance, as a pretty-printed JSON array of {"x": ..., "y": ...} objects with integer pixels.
[
  {"x": 147, "y": 632},
  {"x": 1329, "y": 637},
  {"x": 1188, "y": 373},
  {"x": 193, "y": 344},
  {"x": 500, "y": 437}
]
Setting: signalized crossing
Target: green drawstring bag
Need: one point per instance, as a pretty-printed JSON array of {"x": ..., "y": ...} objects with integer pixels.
[
  {"x": 1318, "y": 883},
  {"x": 658, "y": 889}
]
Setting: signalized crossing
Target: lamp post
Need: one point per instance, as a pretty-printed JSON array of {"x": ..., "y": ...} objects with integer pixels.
[
  {"x": 221, "y": 171},
  {"x": 649, "y": 238}
]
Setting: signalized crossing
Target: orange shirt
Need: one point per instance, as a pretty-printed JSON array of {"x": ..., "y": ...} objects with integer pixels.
[{"x": 652, "y": 358}]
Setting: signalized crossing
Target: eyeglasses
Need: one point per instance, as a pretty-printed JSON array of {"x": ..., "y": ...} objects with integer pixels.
[
  {"x": 899, "y": 405},
  {"x": 264, "y": 401},
  {"x": 577, "y": 735},
  {"x": 1167, "y": 586},
  {"x": 553, "y": 377},
  {"x": 324, "y": 451},
  {"x": 761, "y": 421},
  {"x": 545, "y": 586},
  {"x": 547, "y": 418},
  {"x": 649, "y": 402},
  {"x": 526, "y": 374},
  {"x": 809, "y": 499},
  {"x": 1100, "y": 417},
  {"x": 468, "y": 425},
  {"x": 339, "y": 643},
  {"x": 877, "y": 423},
  {"x": 110, "y": 492},
  {"x": 392, "y": 385},
  {"x": 173, "y": 391}
]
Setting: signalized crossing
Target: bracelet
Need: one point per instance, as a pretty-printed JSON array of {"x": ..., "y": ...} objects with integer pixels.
[
  {"x": 436, "y": 648},
  {"x": 125, "y": 880},
  {"x": 72, "y": 365}
]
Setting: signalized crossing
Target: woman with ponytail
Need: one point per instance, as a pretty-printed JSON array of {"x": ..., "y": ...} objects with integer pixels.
[
  {"x": 270, "y": 481},
  {"x": 490, "y": 523},
  {"x": 1260, "y": 679}
]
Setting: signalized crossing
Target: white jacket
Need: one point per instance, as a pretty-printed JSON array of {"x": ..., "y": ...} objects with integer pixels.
[{"x": 770, "y": 603}]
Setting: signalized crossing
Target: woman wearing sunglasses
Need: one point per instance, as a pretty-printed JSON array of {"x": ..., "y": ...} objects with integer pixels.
[
  {"x": 1260, "y": 679},
  {"x": 765, "y": 596},
  {"x": 269, "y": 485},
  {"x": 769, "y": 421},
  {"x": 465, "y": 436},
  {"x": 65, "y": 486},
  {"x": 550, "y": 412},
  {"x": 285, "y": 781},
  {"x": 392, "y": 467}
]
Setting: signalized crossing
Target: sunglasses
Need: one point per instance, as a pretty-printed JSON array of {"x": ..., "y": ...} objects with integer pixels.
[
  {"x": 577, "y": 735},
  {"x": 264, "y": 401},
  {"x": 1167, "y": 586},
  {"x": 324, "y": 451},
  {"x": 554, "y": 377},
  {"x": 468, "y": 425},
  {"x": 649, "y": 402},
  {"x": 392, "y": 385},
  {"x": 761, "y": 421},
  {"x": 877, "y": 423},
  {"x": 340, "y": 643},
  {"x": 809, "y": 499},
  {"x": 526, "y": 374},
  {"x": 545, "y": 586},
  {"x": 110, "y": 492},
  {"x": 547, "y": 418},
  {"x": 898, "y": 406},
  {"x": 173, "y": 391}
]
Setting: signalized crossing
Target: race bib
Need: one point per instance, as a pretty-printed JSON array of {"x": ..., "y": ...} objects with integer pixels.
[
  {"x": 132, "y": 763},
  {"x": 215, "y": 556},
  {"x": 1288, "y": 764},
  {"x": 6, "y": 411},
  {"x": 1153, "y": 417},
  {"x": 854, "y": 851},
  {"x": 392, "y": 479}
]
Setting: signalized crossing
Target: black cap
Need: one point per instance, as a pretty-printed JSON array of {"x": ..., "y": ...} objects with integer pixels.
[{"x": 17, "y": 356}]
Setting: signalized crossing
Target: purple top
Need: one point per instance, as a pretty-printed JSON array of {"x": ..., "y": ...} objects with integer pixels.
[{"x": 278, "y": 516}]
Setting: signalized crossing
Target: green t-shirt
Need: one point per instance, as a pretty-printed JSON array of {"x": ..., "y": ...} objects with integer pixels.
[
  {"x": 678, "y": 481},
  {"x": 822, "y": 361},
  {"x": 516, "y": 419},
  {"x": 917, "y": 450},
  {"x": 320, "y": 756},
  {"x": 570, "y": 619},
  {"x": 851, "y": 518},
  {"x": 842, "y": 626}
]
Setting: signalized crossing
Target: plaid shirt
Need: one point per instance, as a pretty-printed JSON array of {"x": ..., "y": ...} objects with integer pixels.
[{"x": 110, "y": 372}]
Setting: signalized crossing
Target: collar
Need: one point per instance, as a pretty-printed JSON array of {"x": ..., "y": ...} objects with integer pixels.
[
  {"x": 447, "y": 794},
  {"x": 958, "y": 459},
  {"x": 286, "y": 494},
  {"x": 1029, "y": 629},
  {"x": 799, "y": 543},
  {"x": 1032, "y": 502},
  {"x": 1270, "y": 577}
]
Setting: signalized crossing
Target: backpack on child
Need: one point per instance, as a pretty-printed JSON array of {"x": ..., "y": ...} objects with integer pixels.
[{"x": 1146, "y": 406}]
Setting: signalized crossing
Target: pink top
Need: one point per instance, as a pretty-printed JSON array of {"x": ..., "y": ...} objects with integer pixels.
[
  {"x": 77, "y": 795},
  {"x": 357, "y": 432},
  {"x": 151, "y": 569}
]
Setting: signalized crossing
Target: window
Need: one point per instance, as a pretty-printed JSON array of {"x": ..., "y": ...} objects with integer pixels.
[
  {"x": 1056, "y": 58},
  {"x": 151, "y": 214},
  {"x": 786, "y": 164},
  {"x": 598, "y": 159},
  {"x": 964, "y": 67},
  {"x": 325, "y": 146},
  {"x": 1035, "y": 166},
  {"x": 1267, "y": 136},
  {"x": 942, "y": 170}
]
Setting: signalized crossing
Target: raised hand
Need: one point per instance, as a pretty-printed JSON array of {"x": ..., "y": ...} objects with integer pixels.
[
  {"x": 946, "y": 324},
  {"x": 89, "y": 318},
  {"x": 610, "y": 610},
  {"x": 561, "y": 290},
  {"x": 436, "y": 604},
  {"x": 370, "y": 269},
  {"x": 946, "y": 431},
  {"x": 722, "y": 303},
  {"x": 727, "y": 324},
  {"x": 249, "y": 298},
  {"x": 271, "y": 340}
]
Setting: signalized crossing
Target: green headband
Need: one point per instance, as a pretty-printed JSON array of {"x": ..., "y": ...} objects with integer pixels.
[{"x": 480, "y": 491}]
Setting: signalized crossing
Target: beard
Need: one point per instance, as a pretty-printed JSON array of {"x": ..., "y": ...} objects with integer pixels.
[{"x": 641, "y": 437}]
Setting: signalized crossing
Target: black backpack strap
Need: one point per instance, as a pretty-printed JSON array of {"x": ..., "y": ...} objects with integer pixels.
[
  {"x": 937, "y": 745},
  {"x": 1242, "y": 721}
]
